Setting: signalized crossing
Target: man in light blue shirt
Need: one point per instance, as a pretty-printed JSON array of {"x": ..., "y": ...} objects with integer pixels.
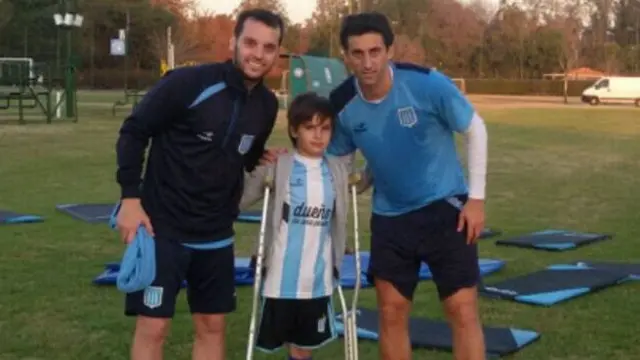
[{"x": 403, "y": 119}]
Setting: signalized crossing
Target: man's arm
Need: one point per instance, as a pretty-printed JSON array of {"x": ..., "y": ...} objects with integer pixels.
[
  {"x": 459, "y": 115},
  {"x": 366, "y": 180},
  {"x": 341, "y": 143},
  {"x": 257, "y": 150},
  {"x": 158, "y": 107},
  {"x": 254, "y": 186},
  {"x": 476, "y": 140}
]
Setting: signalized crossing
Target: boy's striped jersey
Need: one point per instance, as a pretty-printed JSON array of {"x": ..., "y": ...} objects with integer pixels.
[{"x": 301, "y": 259}]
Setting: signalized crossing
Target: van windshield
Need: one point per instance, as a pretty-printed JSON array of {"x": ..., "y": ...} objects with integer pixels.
[{"x": 604, "y": 83}]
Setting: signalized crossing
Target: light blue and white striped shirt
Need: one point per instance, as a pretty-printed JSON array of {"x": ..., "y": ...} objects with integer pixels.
[{"x": 301, "y": 260}]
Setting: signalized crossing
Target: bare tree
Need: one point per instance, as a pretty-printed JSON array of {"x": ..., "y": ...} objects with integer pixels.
[
  {"x": 569, "y": 23},
  {"x": 6, "y": 12},
  {"x": 484, "y": 10}
]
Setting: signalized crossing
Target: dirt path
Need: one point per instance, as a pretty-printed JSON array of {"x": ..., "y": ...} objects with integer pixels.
[{"x": 536, "y": 102}]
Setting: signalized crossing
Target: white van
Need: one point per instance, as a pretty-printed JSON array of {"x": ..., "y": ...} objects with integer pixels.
[{"x": 613, "y": 90}]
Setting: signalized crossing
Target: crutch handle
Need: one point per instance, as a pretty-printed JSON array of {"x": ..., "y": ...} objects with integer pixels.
[
  {"x": 268, "y": 178},
  {"x": 355, "y": 178}
]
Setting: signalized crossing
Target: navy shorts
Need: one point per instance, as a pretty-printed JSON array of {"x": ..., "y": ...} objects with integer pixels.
[
  {"x": 303, "y": 323},
  {"x": 399, "y": 244},
  {"x": 209, "y": 274}
]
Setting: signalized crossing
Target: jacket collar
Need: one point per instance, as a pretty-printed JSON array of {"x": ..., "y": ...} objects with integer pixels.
[{"x": 235, "y": 78}]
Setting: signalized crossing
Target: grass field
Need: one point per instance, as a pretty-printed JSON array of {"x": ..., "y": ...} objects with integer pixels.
[{"x": 572, "y": 168}]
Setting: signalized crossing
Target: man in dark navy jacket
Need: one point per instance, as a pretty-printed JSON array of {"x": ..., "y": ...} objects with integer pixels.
[{"x": 208, "y": 124}]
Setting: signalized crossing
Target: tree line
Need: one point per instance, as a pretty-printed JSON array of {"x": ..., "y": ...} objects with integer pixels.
[{"x": 518, "y": 39}]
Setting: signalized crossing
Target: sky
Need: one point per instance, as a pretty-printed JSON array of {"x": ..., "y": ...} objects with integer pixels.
[{"x": 298, "y": 10}]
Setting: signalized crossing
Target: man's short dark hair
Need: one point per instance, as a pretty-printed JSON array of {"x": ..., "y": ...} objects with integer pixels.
[
  {"x": 304, "y": 107},
  {"x": 364, "y": 23},
  {"x": 264, "y": 16}
]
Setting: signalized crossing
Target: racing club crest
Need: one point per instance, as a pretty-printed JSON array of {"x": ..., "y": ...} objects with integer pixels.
[
  {"x": 245, "y": 143},
  {"x": 152, "y": 297},
  {"x": 407, "y": 116}
]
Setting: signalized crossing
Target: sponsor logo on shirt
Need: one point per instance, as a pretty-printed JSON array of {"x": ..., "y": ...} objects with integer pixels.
[{"x": 311, "y": 215}]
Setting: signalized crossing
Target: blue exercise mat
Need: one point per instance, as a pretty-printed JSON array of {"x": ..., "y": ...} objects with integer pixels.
[
  {"x": 10, "y": 217},
  {"x": 90, "y": 213},
  {"x": 244, "y": 273},
  {"x": 489, "y": 232},
  {"x": 554, "y": 240},
  {"x": 434, "y": 334},
  {"x": 631, "y": 269},
  {"x": 555, "y": 284},
  {"x": 250, "y": 217},
  {"x": 348, "y": 271}
]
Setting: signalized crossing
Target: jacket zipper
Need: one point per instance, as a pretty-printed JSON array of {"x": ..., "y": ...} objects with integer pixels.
[{"x": 234, "y": 117}]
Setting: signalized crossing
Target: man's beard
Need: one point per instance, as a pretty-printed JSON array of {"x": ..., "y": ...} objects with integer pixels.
[{"x": 238, "y": 63}]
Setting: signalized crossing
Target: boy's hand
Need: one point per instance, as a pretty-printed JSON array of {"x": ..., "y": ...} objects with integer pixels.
[
  {"x": 271, "y": 155},
  {"x": 472, "y": 215}
]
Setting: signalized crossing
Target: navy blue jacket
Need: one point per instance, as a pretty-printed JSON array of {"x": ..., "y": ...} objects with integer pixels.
[{"x": 205, "y": 129}]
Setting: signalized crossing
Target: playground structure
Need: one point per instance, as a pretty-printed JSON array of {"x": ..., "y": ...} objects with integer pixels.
[
  {"x": 309, "y": 73},
  {"x": 304, "y": 73},
  {"x": 318, "y": 74},
  {"x": 32, "y": 88}
]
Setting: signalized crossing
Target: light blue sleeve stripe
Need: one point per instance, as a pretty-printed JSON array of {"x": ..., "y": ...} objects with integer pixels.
[
  {"x": 211, "y": 245},
  {"x": 295, "y": 236},
  {"x": 208, "y": 92},
  {"x": 321, "y": 263}
]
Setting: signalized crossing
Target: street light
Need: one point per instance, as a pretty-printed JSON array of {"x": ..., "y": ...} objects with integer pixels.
[{"x": 69, "y": 21}]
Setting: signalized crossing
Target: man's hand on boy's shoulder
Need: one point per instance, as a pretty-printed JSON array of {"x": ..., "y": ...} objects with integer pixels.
[{"x": 271, "y": 155}]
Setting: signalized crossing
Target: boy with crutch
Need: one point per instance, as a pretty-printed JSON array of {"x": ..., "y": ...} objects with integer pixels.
[{"x": 302, "y": 238}]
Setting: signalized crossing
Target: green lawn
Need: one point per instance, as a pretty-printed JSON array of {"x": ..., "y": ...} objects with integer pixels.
[{"x": 555, "y": 168}]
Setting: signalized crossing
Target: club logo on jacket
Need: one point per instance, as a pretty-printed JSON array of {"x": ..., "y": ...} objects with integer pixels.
[
  {"x": 245, "y": 143},
  {"x": 407, "y": 116}
]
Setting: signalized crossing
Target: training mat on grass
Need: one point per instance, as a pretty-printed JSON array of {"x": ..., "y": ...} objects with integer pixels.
[
  {"x": 110, "y": 276},
  {"x": 243, "y": 273},
  {"x": 631, "y": 269},
  {"x": 488, "y": 232},
  {"x": 555, "y": 284},
  {"x": 554, "y": 240},
  {"x": 348, "y": 269},
  {"x": 254, "y": 216},
  {"x": 10, "y": 217},
  {"x": 91, "y": 213},
  {"x": 436, "y": 334}
]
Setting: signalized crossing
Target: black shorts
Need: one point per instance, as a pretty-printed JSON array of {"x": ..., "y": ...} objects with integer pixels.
[
  {"x": 303, "y": 323},
  {"x": 210, "y": 275},
  {"x": 399, "y": 244}
]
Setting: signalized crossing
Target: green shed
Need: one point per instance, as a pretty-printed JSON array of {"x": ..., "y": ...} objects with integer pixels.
[{"x": 313, "y": 73}]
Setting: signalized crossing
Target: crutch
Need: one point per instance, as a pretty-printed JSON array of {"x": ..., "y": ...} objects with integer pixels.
[
  {"x": 349, "y": 316},
  {"x": 257, "y": 285}
]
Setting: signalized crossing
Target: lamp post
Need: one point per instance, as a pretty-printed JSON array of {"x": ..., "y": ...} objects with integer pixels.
[{"x": 68, "y": 21}]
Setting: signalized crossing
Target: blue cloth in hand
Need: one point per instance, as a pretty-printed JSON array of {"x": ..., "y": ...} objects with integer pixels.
[{"x": 138, "y": 265}]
